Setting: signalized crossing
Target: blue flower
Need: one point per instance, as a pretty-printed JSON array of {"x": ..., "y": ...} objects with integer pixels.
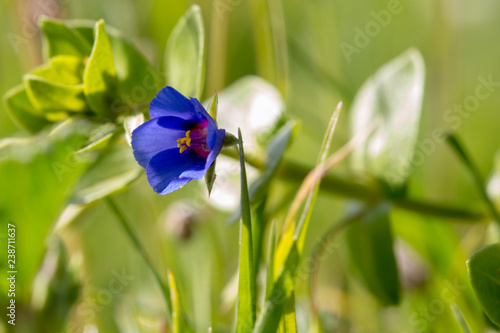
[{"x": 178, "y": 144}]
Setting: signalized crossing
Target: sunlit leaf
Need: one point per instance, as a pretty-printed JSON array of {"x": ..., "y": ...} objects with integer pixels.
[
  {"x": 55, "y": 97},
  {"x": 371, "y": 250},
  {"x": 63, "y": 69},
  {"x": 99, "y": 78},
  {"x": 484, "y": 274},
  {"x": 391, "y": 98},
  {"x": 185, "y": 54}
]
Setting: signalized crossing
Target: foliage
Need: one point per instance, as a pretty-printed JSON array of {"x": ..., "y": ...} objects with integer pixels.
[{"x": 403, "y": 251}]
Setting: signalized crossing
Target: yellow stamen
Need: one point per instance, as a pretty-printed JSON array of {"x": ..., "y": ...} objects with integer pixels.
[{"x": 184, "y": 143}]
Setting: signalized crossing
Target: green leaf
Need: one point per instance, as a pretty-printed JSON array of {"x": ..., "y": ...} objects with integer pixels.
[
  {"x": 290, "y": 246},
  {"x": 51, "y": 97},
  {"x": 289, "y": 321},
  {"x": 484, "y": 274},
  {"x": 22, "y": 112},
  {"x": 42, "y": 167},
  {"x": 100, "y": 82},
  {"x": 63, "y": 69},
  {"x": 371, "y": 250},
  {"x": 246, "y": 306},
  {"x": 59, "y": 39},
  {"x": 177, "y": 315},
  {"x": 115, "y": 169},
  {"x": 275, "y": 152},
  {"x": 138, "y": 81},
  {"x": 460, "y": 318},
  {"x": 99, "y": 137},
  {"x": 391, "y": 99},
  {"x": 185, "y": 54},
  {"x": 55, "y": 288}
]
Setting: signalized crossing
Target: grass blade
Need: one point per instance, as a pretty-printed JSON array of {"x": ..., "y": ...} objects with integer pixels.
[
  {"x": 478, "y": 179},
  {"x": 460, "y": 318},
  {"x": 177, "y": 324},
  {"x": 246, "y": 306}
]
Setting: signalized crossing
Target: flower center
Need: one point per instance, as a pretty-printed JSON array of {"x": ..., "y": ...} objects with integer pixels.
[{"x": 195, "y": 139}]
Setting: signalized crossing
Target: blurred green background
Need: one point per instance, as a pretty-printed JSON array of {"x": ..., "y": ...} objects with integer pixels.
[{"x": 459, "y": 42}]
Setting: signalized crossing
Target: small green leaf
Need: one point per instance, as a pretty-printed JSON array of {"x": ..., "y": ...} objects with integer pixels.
[
  {"x": 214, "y": 105},
  {"x": 112, "y": 172},
  {"x": 52, "y": 97},
  {"x": 392, "y": 99},
  {"x": 22, "y": 112},
  {"x": 484, "y": 274},
  {"x": 185, "y": 54},
  {"x": 246, "y": 306},
  {"x": 66, "y": 70},
  {"x": 99, "y": 78},
  {"x": 59, "y": 39},
  {"x": 371, "y": 250}
]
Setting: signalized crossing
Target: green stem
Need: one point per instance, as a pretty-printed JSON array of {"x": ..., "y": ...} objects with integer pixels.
[
  {"x": 142, "y": 251},
  {"x": 351, "y": 188},
  {"x": 474, "y": 171}
]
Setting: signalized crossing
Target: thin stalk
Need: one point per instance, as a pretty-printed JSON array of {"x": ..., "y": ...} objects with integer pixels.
[
  {"x": 474, "y": 171},
  {"x": 142, "y": 251},
  {"x": 351, "y": 188}
]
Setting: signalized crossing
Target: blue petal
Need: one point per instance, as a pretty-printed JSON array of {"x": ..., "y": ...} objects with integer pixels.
[
  {"x": 170, "y": 102},
  {"x": 175, "y": 185},
  {"x": 214, "y": 152},
  {"x": 157, "y": 135},
  {"x": 201, "y": 110},
  {"x": 167, "y": 166}
]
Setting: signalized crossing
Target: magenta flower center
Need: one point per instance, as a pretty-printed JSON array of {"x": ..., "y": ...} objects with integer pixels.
[{"x": 195, "y": 139}]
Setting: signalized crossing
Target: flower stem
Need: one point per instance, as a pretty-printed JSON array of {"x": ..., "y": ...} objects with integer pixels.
[
  {"x": 370, "y": 193},
  {"x": 142, "y": 251}
]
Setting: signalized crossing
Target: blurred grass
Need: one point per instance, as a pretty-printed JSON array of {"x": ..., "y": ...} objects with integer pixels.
[{"x": 459, "y": 41}]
